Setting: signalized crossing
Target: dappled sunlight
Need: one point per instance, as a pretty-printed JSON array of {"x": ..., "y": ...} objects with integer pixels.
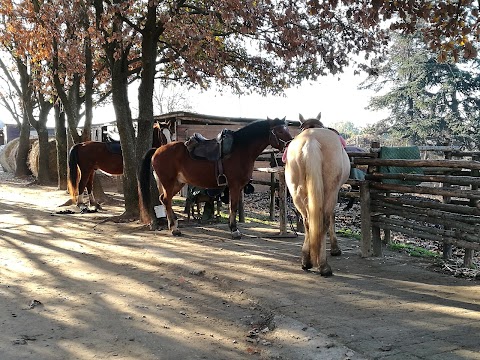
[{"x": 109, "y": 290}]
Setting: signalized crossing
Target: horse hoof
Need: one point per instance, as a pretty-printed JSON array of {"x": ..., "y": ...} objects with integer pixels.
[
  {"x": 306, "y": 266},
  {"x": 336, "y": 252},
  {"x": 176, "y": 232},
  {"x": 236, "y": 235},
  {"x": 326, "y": 271}
]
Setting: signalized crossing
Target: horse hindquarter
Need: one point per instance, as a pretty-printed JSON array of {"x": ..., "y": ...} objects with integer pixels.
[{"x": 316, "y": 168}]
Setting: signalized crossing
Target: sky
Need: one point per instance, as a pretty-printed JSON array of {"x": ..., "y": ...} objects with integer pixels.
[{"x": 337, "y": 98}]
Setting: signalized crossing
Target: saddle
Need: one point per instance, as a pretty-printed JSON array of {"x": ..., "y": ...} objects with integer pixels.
[
  {"x": 215, "y": 150},
  {"x": 114, "y": 147}
]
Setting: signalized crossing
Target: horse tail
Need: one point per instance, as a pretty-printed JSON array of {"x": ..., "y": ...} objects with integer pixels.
[
  {"x": 73, "y": 177},
  {"x": 144, "y": 195},
  {"x": 312, "y": 153}
]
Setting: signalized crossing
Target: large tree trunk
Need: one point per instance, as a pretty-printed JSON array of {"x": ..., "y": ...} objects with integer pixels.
[
  {"x": 147, "y": 83},
  {"x": 43, "y": 148},
  {"x": 22, "y": 169},
  {"x": 127, "y": 136},
  {"x": 61, "y": 137},
  {"x": 43, "y": 157},
  {"x": 145, "y": 98}
]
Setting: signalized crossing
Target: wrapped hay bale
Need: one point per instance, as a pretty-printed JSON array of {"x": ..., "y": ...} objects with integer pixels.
[
  {"x": 1, "y": 154},
  {"x": 8, "y": 155},
  {"x": 32, "y": 161}
]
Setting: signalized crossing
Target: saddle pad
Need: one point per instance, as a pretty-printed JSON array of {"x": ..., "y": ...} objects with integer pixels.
[
  {"x": 402, "y": 153},
  {"x": 114, "y": 147}
]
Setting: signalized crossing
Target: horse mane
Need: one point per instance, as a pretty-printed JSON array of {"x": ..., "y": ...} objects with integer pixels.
[{"x": 255, "y": 130}]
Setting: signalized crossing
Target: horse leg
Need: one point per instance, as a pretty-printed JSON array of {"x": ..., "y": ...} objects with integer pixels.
[
  {"x": 91, "y": 198},
  {"x": 334, "y": 248},
  {"x": 306, "y": 259},
  {"x": 82, "y": 184},
  {"x": 323, "y": 266},
  {"x": 166, "y": 200},
  {"x": 232, "y": 219},
  {"x": 199, "y": 211},
  {"x": 219, "y": 207},
  {"x": 319, "y": 249}
]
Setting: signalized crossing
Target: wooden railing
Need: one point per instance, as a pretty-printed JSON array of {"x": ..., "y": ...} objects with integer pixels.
[{"x": 444, "y": 206}]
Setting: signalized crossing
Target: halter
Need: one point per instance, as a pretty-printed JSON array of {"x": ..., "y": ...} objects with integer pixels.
[{"x": 280, "y": 141}]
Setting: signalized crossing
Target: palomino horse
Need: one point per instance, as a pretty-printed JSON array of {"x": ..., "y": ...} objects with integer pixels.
[
  {"x": 174, "y": 167},
  {"x": 86, "y": 157},
  {"x": 355, "y": 173},
  {"x": 316, "y": 167}
]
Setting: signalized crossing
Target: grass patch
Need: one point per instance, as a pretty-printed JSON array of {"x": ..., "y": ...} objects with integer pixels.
[
  {"x": 349, "y": 233},
  {"x": 413, "y": 250}
]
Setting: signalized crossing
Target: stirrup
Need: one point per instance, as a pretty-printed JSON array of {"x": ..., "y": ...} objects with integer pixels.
[{"x": 222, "y": 180}]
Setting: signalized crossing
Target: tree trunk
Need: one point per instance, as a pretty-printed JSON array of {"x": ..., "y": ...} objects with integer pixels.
[
  {"x": 127, "y": 136},
  {"x": 43, "y": 156},
  {"x": 145, "y": 98},
  {"x": 62, "y": 150},
  {"x": 23, "y": 149}
]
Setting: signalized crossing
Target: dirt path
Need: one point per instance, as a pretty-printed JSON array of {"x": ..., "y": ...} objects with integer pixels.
[{"x": 73, "y": 289}]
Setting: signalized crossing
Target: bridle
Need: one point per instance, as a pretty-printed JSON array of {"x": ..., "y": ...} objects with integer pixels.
[{"x": 277, "y": 139}]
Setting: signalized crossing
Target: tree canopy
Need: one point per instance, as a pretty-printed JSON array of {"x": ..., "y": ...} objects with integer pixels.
[{"x": 428, "y": 100}]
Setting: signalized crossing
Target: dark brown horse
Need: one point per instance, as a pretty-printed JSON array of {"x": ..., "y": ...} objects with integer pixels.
[
  {"x": 174, "y": 167},
  {"x": 86, "y": 157}
]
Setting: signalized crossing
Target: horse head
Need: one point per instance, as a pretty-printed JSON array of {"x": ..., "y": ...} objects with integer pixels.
[
  {"x": 310, "y": 123},
  {"x": 279, "y": 134}
]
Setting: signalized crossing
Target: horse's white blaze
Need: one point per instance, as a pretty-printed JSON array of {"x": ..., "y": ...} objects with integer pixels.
[{"x": 168, "y": 135}]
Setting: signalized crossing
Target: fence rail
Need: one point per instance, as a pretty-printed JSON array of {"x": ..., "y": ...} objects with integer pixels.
[{"x": 443, "y": 207}]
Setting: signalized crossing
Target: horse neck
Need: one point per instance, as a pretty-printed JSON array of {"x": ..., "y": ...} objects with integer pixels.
[
  {"x": 257, "y": 147},
  {"x": 159, "y": 138}
]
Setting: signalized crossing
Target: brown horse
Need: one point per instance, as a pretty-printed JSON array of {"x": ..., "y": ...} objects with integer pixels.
[
  {"x": 86, "y": 157},
  {"x": 174, "y": 167},
  {"x": 316, "y": 167}
]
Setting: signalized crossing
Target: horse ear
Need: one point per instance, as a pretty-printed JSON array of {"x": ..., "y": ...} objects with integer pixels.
[
  {"x": 269, "y": 119},
  {"x": 319, "y": 116},
  {"x": 300, "y": 117},
  {"x": 285, "y": 120}
]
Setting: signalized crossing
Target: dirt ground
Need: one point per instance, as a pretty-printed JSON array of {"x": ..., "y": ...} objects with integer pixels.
[{"x": 75, "y": 287}]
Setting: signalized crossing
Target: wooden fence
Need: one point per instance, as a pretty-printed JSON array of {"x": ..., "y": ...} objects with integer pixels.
[{"x": 440, "y": 203}]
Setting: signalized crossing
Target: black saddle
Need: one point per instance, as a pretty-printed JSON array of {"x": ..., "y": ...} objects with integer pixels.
[
  {"x": 214, "y": 149},
  {"x": 114, "y": 147}
]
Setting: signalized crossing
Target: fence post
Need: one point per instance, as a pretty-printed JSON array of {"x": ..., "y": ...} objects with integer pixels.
[
  {"x": 272, "y": 197},
  {"x": 447, "y": 248},
  {"x": 468, "y": 257},
  {"x": 366, "y": 220}
]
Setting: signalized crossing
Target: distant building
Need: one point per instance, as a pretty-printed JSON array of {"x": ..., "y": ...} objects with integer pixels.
[{"x": 12, "y": 131}]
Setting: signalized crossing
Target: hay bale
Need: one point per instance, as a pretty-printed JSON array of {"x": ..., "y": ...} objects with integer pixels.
[
  {"x": 2, "y": 147},
  {"x": 32, "y": 161},
  {"x": 9, "y": 155}
]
